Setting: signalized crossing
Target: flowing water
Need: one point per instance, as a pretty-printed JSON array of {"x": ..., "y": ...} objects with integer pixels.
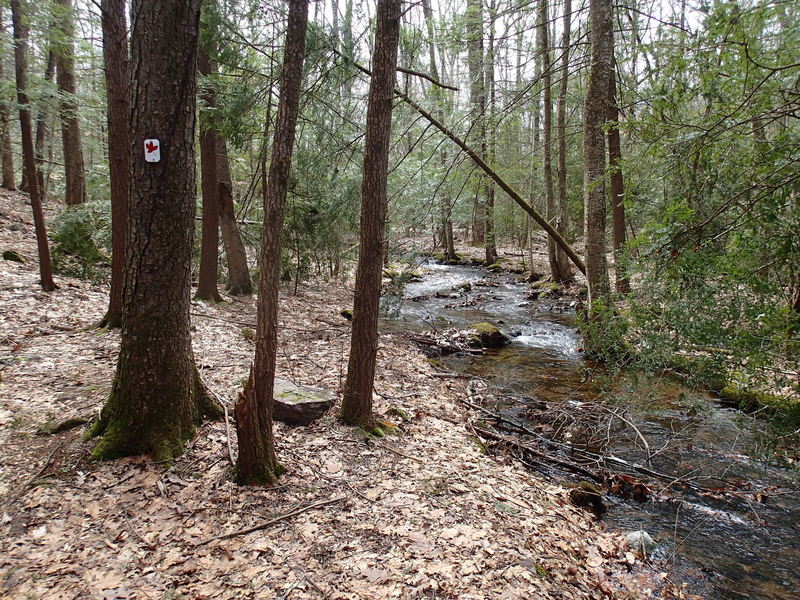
[{"x": 740, "y": 538}]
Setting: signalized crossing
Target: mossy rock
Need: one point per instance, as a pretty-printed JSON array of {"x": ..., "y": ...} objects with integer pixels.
[
  {"x": 14, "y": 256},
  {"x": 346, "y": 313},
  {"x": 299, "y": 404},
  {"x": 487, "y": 335},
  {"x": 587, "y": 495},
  {"x": 495, "y": 268}
]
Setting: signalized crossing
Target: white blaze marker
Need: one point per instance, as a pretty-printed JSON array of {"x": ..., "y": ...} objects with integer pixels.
[{"x": 152, "y": 151}]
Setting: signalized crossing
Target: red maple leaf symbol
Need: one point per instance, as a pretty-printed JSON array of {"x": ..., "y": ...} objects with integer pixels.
[{"x": 151, "y": 147}]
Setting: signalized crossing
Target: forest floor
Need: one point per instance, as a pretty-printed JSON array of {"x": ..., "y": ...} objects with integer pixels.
[{"x": 424, "y": 514}]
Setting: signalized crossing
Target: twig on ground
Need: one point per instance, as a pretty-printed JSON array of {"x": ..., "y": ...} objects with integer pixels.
[
  {"x": 266, "y": 524},
  {"x": 45, "y": 465}
]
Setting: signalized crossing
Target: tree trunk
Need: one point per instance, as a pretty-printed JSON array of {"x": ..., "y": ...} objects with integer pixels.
[
  {"x": 239, "y": 283},
  {"x": 595, "y": 113},
  {"x": 157, "y": 398},
  {"x": 29, "y": 160},
  {"x": 257, "y": 463},
  {"x": 357, "y": 400},
  {"x": 209, "y": 245},
  {"x": 6, "y": 151},
  {"x": 563, "y": 211},
  {"x": 477, "y": 99},
  {"x": 68, "y": 105},
  {"x": 117, "y": 76},
  {"x": 488, "y": 125},
  {"x": 557, "y": 259},
  {"x": 448, "y": 243},
  {"x": 622, "y": 283},
  {"x": 42, "y": 129}
]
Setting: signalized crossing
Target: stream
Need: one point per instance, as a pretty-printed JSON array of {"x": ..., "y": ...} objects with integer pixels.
[{"x": 740, "y": 543}]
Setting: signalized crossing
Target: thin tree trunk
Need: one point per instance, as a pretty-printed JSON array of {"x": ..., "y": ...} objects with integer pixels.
[
  {"x": 543, "y": 50},
  {"x": 257, "y": 463},
  {"x": 448, "y": 243},
  {"x": 42, "y": 129},
  {"x": 595, "y": 114},
  {"x": 158, "y": 398},
  {"x": 21, "y": 68},
  {"x": 6, "y": 151},
  {"x": 209, "y": 144},
  {"x": 239, "y": 283},
  {"x": 561, "y": 126},
  {"x": 117, "y": 76},
  {"x": 622, "y": 282},
  {"x": 357, "y": 400},
  {"x": 68, "y": 103}
]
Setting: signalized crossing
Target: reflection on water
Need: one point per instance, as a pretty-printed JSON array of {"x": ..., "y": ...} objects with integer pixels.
[{"x": 727, "y": 545}]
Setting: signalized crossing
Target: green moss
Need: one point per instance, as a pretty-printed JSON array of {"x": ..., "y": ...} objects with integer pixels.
[
  {"x": 14, "y": 256},
  {"x": 435, "y": 363},
  {"x": 494, "y": 268},
  {"x": 347, "y": 314},
  {"x": 479, "y": 443},
  {"x": 540, "y": 570},
  {"x": 399, "y": 412},
  {"x": 248, "y": 333}
]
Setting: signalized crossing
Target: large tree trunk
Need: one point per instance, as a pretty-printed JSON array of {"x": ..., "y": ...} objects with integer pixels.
[
  {"x": 209, "y": 246},
  {"x": 29, "y": 160},
  {"x": 6, "y": 151},
  {"x": 561, "y": 126},
  {"x": 622, "y": 283},
  {"x": 477, "y": 98},
  {"x": 595, "y": 113},
  {"x": 117, "y": 76},
  {"x": 157, "y": 398},
  {"x": 239, "y": 283},
  {"x": 68, "y": 103},
  {"x": 357, "y": 400},
  {"x": 559, "y": 262},
  {"x": 257, "y": 463}
]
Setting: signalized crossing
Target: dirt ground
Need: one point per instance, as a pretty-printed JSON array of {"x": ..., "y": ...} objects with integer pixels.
[{"x": 424, "y": 514}]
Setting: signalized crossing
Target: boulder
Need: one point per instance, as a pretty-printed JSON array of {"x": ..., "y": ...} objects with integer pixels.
[
  {"x": 300, "y": 404},
  {"x": 640, "y": 541},
  {"x": 487, "y": 335}
]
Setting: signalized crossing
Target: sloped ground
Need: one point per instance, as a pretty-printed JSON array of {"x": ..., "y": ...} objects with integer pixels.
[{"x": 421, "y": 515}]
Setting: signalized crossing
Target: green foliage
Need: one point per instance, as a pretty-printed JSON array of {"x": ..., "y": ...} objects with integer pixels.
[{"x": 82, "y": 241}]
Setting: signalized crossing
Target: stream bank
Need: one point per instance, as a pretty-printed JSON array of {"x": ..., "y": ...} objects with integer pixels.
[{"x": 731, "y": 532}]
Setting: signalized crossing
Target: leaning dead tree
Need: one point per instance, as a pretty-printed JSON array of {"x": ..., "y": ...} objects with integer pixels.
[{"x": 493, "y": 175}]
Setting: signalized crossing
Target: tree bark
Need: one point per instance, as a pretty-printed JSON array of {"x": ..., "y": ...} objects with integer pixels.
[
  {"x": 561, "y": 127},
  {"x": 6, "y": 151},
  {"x": 68, "y": 105},
  {"x": 357, "y": 400},
  {"x": 622, "y": 283},
  {"x": 42, "y": 129},
  {"x": 239, "y": 283},
  {"x": 117, "y": 77},
  {"x": 257, "y": 463},
  {"x": 29, "y": 160},
  {"x": 595, "y": 114},
  {"x": 559, "y": 262},
  {"x": 490, "y": 245},
  {"x": 209, "y": 245},
  {"x": 447, "y": 240},
  {"x": 477, "y": 100},
  {"x": 158, "y": 398}
]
